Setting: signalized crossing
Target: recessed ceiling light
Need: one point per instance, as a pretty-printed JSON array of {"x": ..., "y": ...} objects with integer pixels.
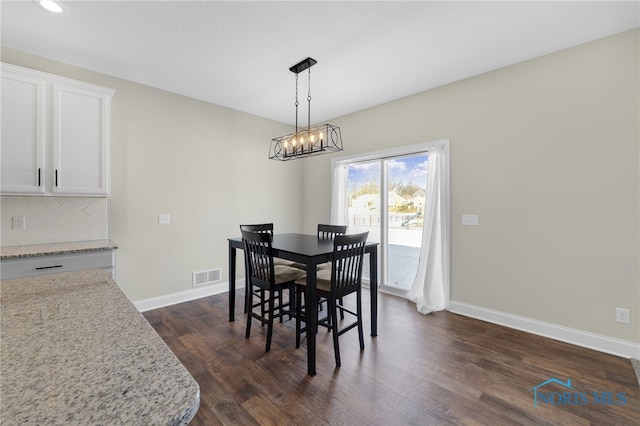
[{"x": 50, "y": 5}]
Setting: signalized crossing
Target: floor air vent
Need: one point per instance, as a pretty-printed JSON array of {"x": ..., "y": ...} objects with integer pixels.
[{"x": 206, "y": 277}]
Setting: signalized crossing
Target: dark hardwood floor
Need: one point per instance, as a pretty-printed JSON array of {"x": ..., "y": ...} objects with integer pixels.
[{"x": 420, "y": 370}]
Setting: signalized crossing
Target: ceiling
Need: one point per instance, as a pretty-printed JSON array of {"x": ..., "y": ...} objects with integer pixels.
[{"x": 237, "y": 54}]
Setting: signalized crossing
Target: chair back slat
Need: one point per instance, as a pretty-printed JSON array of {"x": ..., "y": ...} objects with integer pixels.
[
  {"x": 330, "y": 231},
  {"x": 262, "y": 228},
  {"x": 348, "y": 257},
  {"x": 259, "y": 256}
]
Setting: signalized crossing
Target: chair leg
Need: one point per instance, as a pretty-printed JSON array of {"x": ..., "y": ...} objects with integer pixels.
[
  {"x": 249, "y": 302},
  {"x": 341, "y": 311},
  {"x": 298, "y": 297},
  {"x": 292, "y": 301},
  {"x": 329, "y": 319},
  {"x": 359, "y": 311},
  {"x": 270, "y": 321},
  {"x": 333, "y": 312},
  {"x": 262, "y": 311},
  {"x": 281, "y": 305}
]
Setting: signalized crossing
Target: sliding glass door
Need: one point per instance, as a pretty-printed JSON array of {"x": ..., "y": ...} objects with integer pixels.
[
  {"x": 406, "y": 188},
  {"x": 386, "y": 196}
]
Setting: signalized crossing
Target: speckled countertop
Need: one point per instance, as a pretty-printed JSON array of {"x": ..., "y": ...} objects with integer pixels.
[
  {"x": 33, "y": 250},
  {"x": 75, "y": 351}
]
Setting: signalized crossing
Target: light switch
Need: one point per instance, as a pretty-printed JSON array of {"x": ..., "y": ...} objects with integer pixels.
[
  {"x": 470, "y": 219},
  {"x": 164, "y": 219}
]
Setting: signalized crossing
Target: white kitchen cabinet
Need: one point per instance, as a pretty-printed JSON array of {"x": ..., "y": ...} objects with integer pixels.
[{"x": 55, "y": 135}]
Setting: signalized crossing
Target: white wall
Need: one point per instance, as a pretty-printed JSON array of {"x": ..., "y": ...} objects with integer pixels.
[
  {"x": 546, "y": 152},
  {"x": 203, "y": 164}
]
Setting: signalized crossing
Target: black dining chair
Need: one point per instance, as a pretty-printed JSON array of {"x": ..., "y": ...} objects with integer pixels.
[
  {"x": 325, "y": 232},
  {"x": 266, "y": 228},
  {"x": 269, "y": 279},
  {"x": 329, "y": 232},
  {"x": 344, "y": 278}
]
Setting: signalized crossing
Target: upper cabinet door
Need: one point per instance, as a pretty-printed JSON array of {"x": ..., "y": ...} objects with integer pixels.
[
  {"x": 80, "y": 137},
  {"x": 55, "y": 135},
  {"x": 23, "y": 134}
]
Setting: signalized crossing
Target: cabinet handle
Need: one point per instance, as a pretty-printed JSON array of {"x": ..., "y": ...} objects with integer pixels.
[
  {"x": 49, "y": 267},
  {"x": 39, "y": 184},
  {"x": 56, "y": 178}
]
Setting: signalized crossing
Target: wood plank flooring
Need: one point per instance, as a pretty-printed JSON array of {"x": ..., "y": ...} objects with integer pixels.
[{"x": 437, "y": 369}]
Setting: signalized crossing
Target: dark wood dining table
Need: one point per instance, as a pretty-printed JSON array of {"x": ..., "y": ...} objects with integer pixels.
[{"x": 310, "y": 251}]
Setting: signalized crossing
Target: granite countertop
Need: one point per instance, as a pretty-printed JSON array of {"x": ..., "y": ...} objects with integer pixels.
[
  {"x": 76, "y": 351},
  {"x": 33, "y": 250}
]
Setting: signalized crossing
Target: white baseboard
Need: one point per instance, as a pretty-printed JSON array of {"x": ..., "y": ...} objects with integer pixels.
[
  {"x": 622, "y": 348},
  {"x": 184, "y": 296},
  {"x": 582, "y": 338}
]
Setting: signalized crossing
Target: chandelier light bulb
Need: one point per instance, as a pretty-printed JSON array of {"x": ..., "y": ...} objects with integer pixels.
[{"x": 51, "y": 6}]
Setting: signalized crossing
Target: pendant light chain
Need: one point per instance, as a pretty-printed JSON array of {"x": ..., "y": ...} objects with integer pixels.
[
  {"x": 309, "y": 102},
  {"x": 296, "y": 103}
]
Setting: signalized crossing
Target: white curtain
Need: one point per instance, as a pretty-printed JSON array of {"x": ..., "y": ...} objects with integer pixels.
[
  {"x": 430, "y": 285},
  {"x": 339, "y": 212}
]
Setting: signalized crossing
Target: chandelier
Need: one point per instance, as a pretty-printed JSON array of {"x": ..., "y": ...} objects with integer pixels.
[{"x": 319, "y": 139}]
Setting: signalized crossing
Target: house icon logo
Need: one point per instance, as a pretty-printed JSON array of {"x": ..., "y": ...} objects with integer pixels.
[
  {"x": 536, "y": 389},
  {"x": 561, "y": 393}
]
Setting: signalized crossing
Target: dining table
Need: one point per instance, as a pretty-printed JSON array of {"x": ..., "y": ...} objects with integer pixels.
[{"x": 311, "y": 251}]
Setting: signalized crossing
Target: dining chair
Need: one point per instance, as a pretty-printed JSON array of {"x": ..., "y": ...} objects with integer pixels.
[
  {"x": 325, "y": 232},
  {"x": 266, "y": 228},
  {"x": 329, "y": 232},
  {"x": 270, "y": 279},
  {"x": 344, "y": 278}
]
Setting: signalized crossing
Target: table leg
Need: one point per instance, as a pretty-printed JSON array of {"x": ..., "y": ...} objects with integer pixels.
[
  {"x": 232, "y": 283},
  {"x": 311, "y": 309},
  {"x": 373, "y": 288}
]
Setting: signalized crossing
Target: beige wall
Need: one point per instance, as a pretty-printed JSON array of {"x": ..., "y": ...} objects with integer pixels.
[
  {"x": 546, "y": 152},
  {"x": 203, "y": 164}
]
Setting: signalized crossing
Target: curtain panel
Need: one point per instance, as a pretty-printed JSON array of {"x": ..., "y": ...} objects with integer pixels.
[{"x": 430, "y": 285}]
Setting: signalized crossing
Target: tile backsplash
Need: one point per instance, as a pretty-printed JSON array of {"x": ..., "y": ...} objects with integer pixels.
[{"x": 53, "y": 219}]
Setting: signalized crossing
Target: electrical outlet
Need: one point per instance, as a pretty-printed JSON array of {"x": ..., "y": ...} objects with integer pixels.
[
  {"x": 470, "y": 219},
  {"x": 164, "y": 219},
  {"x": 622, "y": 315},
  {"x": 18, "y": 223}
]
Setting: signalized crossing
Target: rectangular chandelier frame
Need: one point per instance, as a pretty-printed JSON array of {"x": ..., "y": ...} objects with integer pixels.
[
  {"x": 316, "y": 140},
  {"x": 319, "y": 139}
]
